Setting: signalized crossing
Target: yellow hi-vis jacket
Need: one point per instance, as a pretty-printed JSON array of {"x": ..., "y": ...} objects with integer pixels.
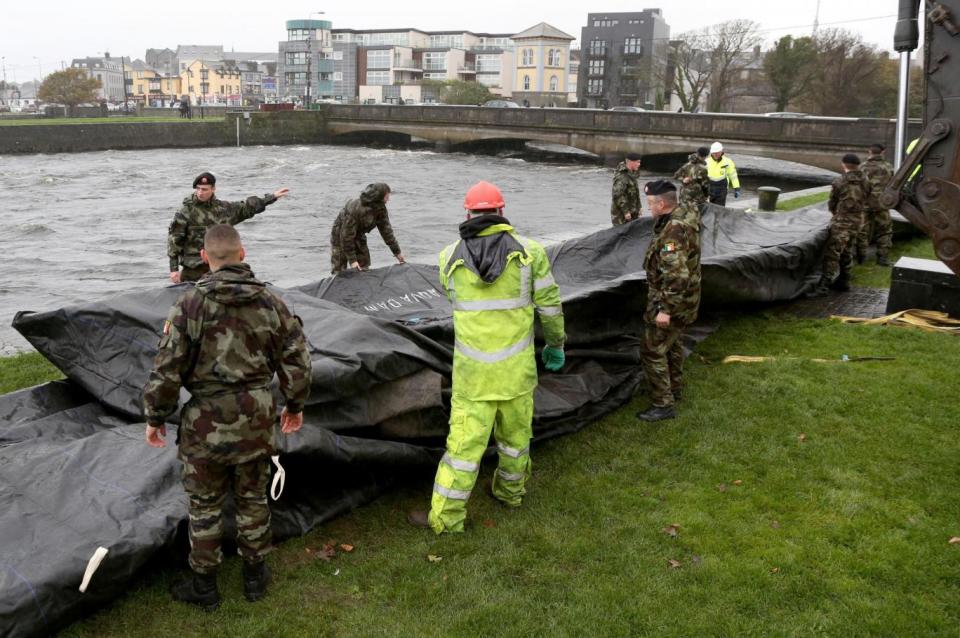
[
  {"x": 725, "y": 169},
  {"x": 493, "y": 356}
]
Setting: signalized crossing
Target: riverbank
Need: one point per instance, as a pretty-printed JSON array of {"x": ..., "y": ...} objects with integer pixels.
[{"x": 775, "y": 500}]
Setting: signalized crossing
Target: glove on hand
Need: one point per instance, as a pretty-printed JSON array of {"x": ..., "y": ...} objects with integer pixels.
[
  {"x": 553, "y": 358},
  {"x": 736, "y": 193}
]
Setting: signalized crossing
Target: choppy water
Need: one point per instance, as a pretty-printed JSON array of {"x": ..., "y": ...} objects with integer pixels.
[{"x": 82, "y": 226}]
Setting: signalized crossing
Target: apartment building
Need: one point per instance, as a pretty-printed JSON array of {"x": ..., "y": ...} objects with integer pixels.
[
  {"x": 624, "y": 59},
  {"x": 305, "y": 62}
]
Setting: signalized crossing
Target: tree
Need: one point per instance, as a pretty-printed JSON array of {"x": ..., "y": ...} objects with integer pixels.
[
  {"x": 461, "y": 92},
  {"x": 790, "y": 68},
  {"x": 68, "y": 87},
  {"x": 728, "y": 43},
  {"x": 853, "y": 79},
  {"x": 691, "y": 70}
]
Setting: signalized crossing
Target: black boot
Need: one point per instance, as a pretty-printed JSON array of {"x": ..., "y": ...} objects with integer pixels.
[
  {"x": 256, "y": 577},
  {"x": 882, "y": 260},
  {"x": 198, "y": 589},
  {"x": 822, "y": 289},
  {"x": 657, "y": 413},
  {"x": 842, "y": 282}
]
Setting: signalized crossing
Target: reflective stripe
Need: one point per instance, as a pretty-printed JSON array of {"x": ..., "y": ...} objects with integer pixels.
[
  {"x": 494, "y": 357},
  {"x": 545, "y": 282},
  {"x": 512, "y": 452},
  {"x": 525, "y": 282},
  {"x": 550, "y": 311},
  {"x": 508, "y": 476},
  {"x": 458, "y": 464},
  {"x": 492, "y": 304},
  {"x": 459, "y": 495}
]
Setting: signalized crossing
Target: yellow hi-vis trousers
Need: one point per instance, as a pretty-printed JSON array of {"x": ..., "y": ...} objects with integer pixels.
[{"x": 470, "y": 426}]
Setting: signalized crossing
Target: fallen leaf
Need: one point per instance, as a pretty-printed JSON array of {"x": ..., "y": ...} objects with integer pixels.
[
  {"x": 308, "y": 550},
  {"x": 722, "y": 487},
  {"x": 775, "y": 524},
  {"x": 346, "y": 548},
  {"x": 337, "y": 573},
  {"x": 738, "y": 482},
  {"x": 433, "y": 558},
  {"x": 672, "y": 530},
  {"x": 955, "y": 540},
  {"x": 775, "y": 570},
  {"x": 803, "y": 437},
  {"x": 489, "y": 523},
  {"x": 674, "y": 564}
]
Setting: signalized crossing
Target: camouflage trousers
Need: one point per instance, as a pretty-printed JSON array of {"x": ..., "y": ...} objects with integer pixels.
[
  {"x": 206, "y": 484},
  {"x": 194, "y": 274},
  {"x": 338, "y": 257},
  {"x": 838, "y": 254},
  {"x": 877, "y": 226},
  {"x": 663, "y": 362}
]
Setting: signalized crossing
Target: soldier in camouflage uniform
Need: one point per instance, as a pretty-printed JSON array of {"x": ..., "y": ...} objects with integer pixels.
[
  {"x": 672, "y": 264},
  {"x": 223, "y": 341},
  {"x": 625, "y": 204},
  {"x": 199, "y": 212},
  {"x": 695, "y": 183},
  {"x": 877, "y": 222},
  {"x": 848, "y": 200},
  {"x": 348, "y": 239}
]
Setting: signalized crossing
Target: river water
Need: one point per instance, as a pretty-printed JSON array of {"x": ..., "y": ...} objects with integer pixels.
[{"x": 87, "y": 225}]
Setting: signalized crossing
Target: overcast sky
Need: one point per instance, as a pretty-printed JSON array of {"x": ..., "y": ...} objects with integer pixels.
[{"x": 40, "y": 36}]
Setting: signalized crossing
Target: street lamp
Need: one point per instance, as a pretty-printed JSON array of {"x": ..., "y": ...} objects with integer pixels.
[{"x": 306, "y": 98}]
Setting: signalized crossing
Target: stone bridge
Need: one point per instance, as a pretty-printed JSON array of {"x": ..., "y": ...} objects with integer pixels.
[{"x": 817, "y": 141}]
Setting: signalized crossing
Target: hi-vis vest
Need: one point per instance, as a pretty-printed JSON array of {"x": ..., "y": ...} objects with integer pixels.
[
  {"x": 493, "y": 356},
  {"x": 724, "y": 170}
]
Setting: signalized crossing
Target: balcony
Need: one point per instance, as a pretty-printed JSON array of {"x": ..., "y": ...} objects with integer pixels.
[
  {"x": 467, "y": 69},
  {"x": 435, "y": 67},
  {"x": 408, "y": 65}
]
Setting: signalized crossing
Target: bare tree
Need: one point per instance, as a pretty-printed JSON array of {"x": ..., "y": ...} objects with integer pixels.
[
  {"x": 691, "y": 70},
  {"x": 729, "y": 43},
  {"x": 853, "y": 78}
]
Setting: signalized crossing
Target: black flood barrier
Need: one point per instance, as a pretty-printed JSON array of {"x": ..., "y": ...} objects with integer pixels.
[{"x": 75, "y": 473}]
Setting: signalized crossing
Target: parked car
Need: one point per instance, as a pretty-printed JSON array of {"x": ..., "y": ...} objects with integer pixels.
[
  {"x": 785, "y": 114},
  {"x": 501, "y": 104},
  {"x": 631, "y": 109}
]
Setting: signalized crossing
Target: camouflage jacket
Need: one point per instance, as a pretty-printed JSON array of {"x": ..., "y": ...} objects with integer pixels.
[
  {"x": 672, "y": 264},
  {"x": 697, "y": 189},
  {"x": 355, "y": 220},
  {"x": 223, "y": 341},
  {"x": 626, "y": 194},
  {"x": 878, "y": 172},
  {"x": 849, "y": 196},
  {"x": 185, "y": 235}
]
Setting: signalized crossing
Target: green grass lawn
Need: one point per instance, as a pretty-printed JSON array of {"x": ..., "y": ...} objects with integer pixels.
[
  {"x": 800, "y": 202},
  {"x": 809, "y": 498},
  {"x": 25, "y": 370},
  {"x": 104, "y": 120}
]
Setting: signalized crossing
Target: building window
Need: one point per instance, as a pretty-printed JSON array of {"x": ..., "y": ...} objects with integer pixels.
[
  {"x": 488, "y": 63},
  {"x": 595, "y": 67},
  {"x": 526, "y": 57},
  {"x": 595, "y": 86},
  {"x": 598, "y": 47},
  {"x": 296, "y": 57},
  {"x": 554, "y": 58},
  {"x": 489, "y": 80},
  {"x": 435, "y": 76},
  {"x": 296, "y": 78},
  {"x": 554, "y": 83},
  {"x": 435, "y": 61},
  {"x": 378, "y": 78},
  {"x": 633, "y": 46},
  {"x": 338, "y": 55},
  {"x": 526, "y": 83},
  {"x": 605, "y": 23},
  {"x": 378, "y": 59},
  {"x": 295, "y": 35},
  {"x": 338, "y": 76}
]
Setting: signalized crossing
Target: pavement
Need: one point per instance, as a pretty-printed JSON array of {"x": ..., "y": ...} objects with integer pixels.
[
  {"x": 753, "y": 203},
  {"x": 866, "y": 303}
]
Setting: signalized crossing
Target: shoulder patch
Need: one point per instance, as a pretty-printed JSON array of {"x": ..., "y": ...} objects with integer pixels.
[{"x": 669, "y": 247}]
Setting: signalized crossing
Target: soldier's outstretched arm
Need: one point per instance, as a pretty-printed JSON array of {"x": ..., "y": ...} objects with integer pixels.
[{"x": 253, "y": 205}]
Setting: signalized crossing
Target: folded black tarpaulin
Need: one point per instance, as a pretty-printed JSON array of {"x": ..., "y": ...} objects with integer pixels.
[{"x": 76, "y": 475}]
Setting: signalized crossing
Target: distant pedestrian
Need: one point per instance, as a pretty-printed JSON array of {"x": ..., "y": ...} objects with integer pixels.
[
  {"x": 348, "y": 237},
  {"x": 625, "y": 196},
  {"x": 848, "y": 200},
  {"x": 723, "y": 175}
]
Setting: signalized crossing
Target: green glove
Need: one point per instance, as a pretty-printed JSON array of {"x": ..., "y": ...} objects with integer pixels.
[{"x": 553, "y": 358}]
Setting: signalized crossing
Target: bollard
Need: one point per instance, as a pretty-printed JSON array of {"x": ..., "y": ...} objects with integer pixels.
[{"x": 768, "y": 198}]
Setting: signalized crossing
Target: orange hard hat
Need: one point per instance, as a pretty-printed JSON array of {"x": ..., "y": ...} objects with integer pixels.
[{"x": 483, "y": 196}]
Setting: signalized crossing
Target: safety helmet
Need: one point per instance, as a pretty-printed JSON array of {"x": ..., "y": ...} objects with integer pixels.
[
  {"x": 483, "y": 196},
  {"x": 716, "y": 147}
]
